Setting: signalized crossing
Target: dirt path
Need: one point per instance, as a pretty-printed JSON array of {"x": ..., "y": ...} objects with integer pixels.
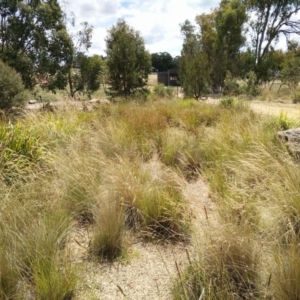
[{"x": 272, "y": 108}]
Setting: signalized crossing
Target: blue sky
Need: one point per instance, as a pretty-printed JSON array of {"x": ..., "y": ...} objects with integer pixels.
[{"x": 157, "y": 20}]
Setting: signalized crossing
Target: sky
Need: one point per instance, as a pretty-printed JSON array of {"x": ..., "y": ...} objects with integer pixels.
[{"x": 157, "y": 20}]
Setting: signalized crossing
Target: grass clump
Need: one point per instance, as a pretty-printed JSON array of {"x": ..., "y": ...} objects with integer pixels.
[
  {"x": 108, "y": 236},
  {"x": 227, "y": 102},
  {"x": 33, "y": 258},
  {"x": 9, "y": 276},
  {"x": 286, "y": 276},
  {"x": 22, "y": 152},
  {"x": 54, "y": 280},
  {"x": 228, "y": 269},
  {"x": 160, "y": 91},
  {"x": 153, "y": 202}
]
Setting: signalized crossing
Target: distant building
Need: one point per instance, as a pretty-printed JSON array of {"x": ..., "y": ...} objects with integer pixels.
[{"x": 169, "y": 78}]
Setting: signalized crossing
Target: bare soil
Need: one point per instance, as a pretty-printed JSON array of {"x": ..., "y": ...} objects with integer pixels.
[{"x": 275, "y": 108}]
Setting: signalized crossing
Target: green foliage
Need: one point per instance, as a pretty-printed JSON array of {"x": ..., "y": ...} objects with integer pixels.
[
  {"x": 231, "y": 86},
  {"x": 88, "y": 78},
  {"x": 128, "y": 62},
  {"x": 251, "y": 89},
  {"x": 229, "y": 21},
  {"x": 215, "y": 49},
  {"x": 34, "y": 41},
  {"x": 22, "y": 152},
  {"x": 283, "y": 122},
  {"x": 161, "y": 91},
  {"x": 290, "y": 73},
  {"x": 268, "y": 22},
  {"x": 162, "y": 61},
  {"x": 227, "y": 102},
  {"x": 12, "y": 91},
  {"x": 194, "y": 70}
]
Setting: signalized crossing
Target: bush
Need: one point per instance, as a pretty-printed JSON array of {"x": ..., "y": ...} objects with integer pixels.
[
  {"x": 12, "y": 90},
  {"x": 161, "y": 91},
  {"x": 231, "y": 86},
  {"x": 226, "y": 102},
  {"x": 296, "y": 98},
  {"x": 251, "y": 88}
]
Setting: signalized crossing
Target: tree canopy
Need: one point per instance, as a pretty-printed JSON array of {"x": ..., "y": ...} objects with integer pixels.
[
  {"x": 194, "y": 64},
  {"x": 163, "y": 61},
  {"x": 128, "y": 62},
  {"x": 269, "y": 20},
  {"x": 34, "y": 40},
  {"x": 12, "y": 90}
]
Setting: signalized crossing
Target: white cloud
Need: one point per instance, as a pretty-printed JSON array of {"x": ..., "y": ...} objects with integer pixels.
[
  {"x": 157, "y": 20},
  {"x": 109, "y": 7}
]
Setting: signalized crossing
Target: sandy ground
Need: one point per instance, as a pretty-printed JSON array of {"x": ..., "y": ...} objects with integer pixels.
[
  {"x": 148, "y": 270},
  {"x": 272, "y": 108}
]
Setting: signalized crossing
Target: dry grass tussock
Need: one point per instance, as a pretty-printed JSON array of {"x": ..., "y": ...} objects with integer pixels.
[{"x": 121, "y": 170}]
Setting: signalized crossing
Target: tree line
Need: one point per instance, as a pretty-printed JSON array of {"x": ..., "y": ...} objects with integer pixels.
[{"x": 237, "y": 39}]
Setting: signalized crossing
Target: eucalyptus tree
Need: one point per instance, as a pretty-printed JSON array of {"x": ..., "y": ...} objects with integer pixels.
[
  {"x": 269, "y": 20},
  {"x": 194, "y": 64},
  {"x": 34, "y": 40},
  {"x": 162, "y": 61},
  {"x": 128, "y": 62},
  {"x": 86, "y": 78},
  {"x": 82, "y": 41},
  {"x": 230, "y": 19}
]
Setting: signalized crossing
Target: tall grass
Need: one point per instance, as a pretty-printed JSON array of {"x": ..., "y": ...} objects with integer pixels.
[
  {"x": 153, "y": 202},
  {"x": 286, "y": 274},
  {"x": 108, "y": 239},
  {"x": 227, "y": 269},
  {"x": 124, "y": 168}
]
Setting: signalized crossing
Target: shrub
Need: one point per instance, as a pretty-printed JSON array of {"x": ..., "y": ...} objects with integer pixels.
[
  {"x": 159, "y": 90},
  {"x": 12, "y": 90},
  {"x": 170, "y": 91},
  {"x": 251, "y": 88},
  {"x": 163, "y": 92},
  {"x": 296, "y": 98},
  {"x": 226, "y": 102},
  {"x": 231, "y": 86}
]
